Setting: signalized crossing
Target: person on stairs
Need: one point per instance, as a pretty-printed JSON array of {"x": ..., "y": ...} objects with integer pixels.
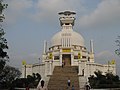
[
  {"x": 68, "y": 82},
  {"x": 62, "y": 64},
  {"x": 87, "y": 86},
  {"x": 42, "y": 86},
  {"x": 73, "y": 87}
]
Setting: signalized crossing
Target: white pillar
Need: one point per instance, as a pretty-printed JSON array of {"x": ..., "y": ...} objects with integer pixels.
[
  {"x": 91, "y": 51},
  {"x": 45, "y": 47},
  {"x": 88, "y": 69},
  {"x": 91, "y": 46},
  {"x": 70, "y": 41},
  {"x": 79, "y": 66},
  {"x": 65, "y": 42},
  {"x": 85, "y": 69},
  {"x": 60, "y": 57},
  {"x": 50, "y": 72},
  {"x": 72, "y": 58},
  {"x": 23, "y": 71},
  {"x": 62, "y": 42},
  {"x": 46, "y": 68}
]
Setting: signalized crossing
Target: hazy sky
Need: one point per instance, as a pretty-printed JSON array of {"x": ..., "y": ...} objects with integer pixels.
[{"x": 29, "y": 22}]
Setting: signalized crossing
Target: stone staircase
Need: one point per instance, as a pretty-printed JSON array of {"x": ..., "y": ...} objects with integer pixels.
[
  {"x": 58, "y": 81},
  {"x": 82, "y": 82}
]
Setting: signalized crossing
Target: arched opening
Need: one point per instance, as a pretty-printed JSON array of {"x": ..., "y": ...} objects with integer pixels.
[{"x": 66, "y": 58}]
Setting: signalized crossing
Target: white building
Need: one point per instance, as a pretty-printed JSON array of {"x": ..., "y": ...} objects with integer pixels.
[{"x": 67, "y": 46}]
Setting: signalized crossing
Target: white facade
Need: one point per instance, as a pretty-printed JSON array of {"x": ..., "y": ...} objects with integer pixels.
[{"x": 68, "y": 46}]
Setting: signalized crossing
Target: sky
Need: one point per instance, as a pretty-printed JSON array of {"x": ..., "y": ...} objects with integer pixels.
[{"x": 29, "y": 22}]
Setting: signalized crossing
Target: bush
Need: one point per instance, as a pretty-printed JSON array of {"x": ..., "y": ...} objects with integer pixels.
[{"x": 104, "y": 81}]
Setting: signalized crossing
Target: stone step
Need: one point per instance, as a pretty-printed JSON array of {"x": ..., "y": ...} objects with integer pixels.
[
  {"x": 62, "y": 88},
  {"x": 72, "y": 76},
  {"x": 82, "y": 82},
  {"x": 58, "y": 81}
]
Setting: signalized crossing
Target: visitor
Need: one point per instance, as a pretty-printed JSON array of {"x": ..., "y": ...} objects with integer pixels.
[
  {"x": 27, "y": 88},
  {"x": 73, "y": 87},
  {"x": 42, "y": 86},
  {"x": 62, "y": 64},
  {"x": 82, "y": 72},
  {"x": 68, "y": 82},
  {"x": 87, "y": 86}
]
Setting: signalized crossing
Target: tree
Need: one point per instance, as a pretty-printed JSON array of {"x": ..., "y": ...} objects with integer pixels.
[
  {"x": 8, "y": 75},
  {"x": 3, "y": 42},
  {"x": 117, "y": 51},
  {"x": 104, "y": 81},
  {"x": 31, "y": 81}
]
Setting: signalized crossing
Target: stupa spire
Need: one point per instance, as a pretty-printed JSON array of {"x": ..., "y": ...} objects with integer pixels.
[{"x": 67, "y": 18}]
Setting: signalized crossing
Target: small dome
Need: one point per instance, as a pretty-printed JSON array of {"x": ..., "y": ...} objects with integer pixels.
[{"x": 76, "y": 38}]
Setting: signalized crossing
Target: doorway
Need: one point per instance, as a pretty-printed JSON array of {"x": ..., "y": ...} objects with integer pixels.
[{"x": 66, "y": 58}]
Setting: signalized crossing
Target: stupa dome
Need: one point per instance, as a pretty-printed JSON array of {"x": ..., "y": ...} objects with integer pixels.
[{"x": 76, "y": 38}]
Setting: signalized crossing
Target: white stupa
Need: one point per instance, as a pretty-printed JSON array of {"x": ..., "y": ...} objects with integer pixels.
[{"x": 67, "y": 46}]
